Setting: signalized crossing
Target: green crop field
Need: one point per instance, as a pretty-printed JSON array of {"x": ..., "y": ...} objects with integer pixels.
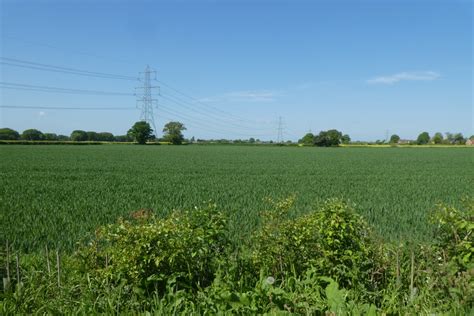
[{"x": 57, "y": 194}]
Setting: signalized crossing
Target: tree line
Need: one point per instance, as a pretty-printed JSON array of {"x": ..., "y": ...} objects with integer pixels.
[
  {"x": 424, "y": 138},
  {"x": 76, "y": 135},
  {"x": 334, "y": 137},
  {"x": 141, "y": 132}
]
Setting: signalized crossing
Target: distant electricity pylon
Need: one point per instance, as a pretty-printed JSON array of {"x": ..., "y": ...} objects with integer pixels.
[
  {"x": 280, "y": 131},
  {"x": 145, "y": 101}
]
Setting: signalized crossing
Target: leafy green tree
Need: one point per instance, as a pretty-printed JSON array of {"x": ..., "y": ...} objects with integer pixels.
[
  {"x": 438, "y": 138},
  {"x": 346, "y": 139},
  {"x": 9, "y": 134},
  {"x": 449, "y": 138},
  {"x": 79, "y": 136},
  {"x": 173, "y": 132},
  {"x": 307, "y": 139},
  {"x": 50, "y": 136},
  {"x": 394, "y": 139},
  {"x": 141, "y": 132},
  {"x": 105, "y": 137},
  {"x": 92, "y": 136},
  {"x": 32, "y": 134},
  {"x": 459, "y": 139},
  {"x": 423, "y": 138},
  {"x": 328, "y": 138},
  {"x": 63, "y": 137}
]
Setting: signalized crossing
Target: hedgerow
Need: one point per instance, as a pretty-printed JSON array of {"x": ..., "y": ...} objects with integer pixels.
[{"x": 327, "y": 261}]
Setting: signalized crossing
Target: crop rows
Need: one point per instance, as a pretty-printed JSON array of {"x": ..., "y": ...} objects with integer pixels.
[{"x": 58, "y": 194}]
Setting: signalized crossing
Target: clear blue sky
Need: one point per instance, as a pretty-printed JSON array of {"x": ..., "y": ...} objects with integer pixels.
[{"x": 363, "y": 67}]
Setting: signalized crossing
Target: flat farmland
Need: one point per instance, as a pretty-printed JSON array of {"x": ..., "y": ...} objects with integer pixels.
[{"x": 57, "y": 194}]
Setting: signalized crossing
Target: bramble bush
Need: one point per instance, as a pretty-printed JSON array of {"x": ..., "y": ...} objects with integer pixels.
[{"x": 147, "y": 252}]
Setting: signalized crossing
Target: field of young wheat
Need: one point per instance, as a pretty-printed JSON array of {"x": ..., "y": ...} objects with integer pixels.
[{"x": 57, "y": 194}]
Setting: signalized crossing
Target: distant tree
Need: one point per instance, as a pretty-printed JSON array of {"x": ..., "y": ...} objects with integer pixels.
[
  {"x": 92, "y": 136},
  {"x": 105, "y": 137},
  {"x": 141, "y": 132},
  {"x": 307, "y": 139},
  {"x": 192, "y": 140},
  {"x": 423, "y": 138},
  {"x": 173, "y": 132},
  {"x": 328, "y": 138},
  {"x": 438, "y": 138},
  {"x": 50, "y": 136},
  {"x": 9, "y": 134},
  {"x": 346, "y": 139},
  {"x": 394, "y": 139},
  {"x": 79, "y": 136},
  {"x": 251, "y": 140},
  {"x": 32, "y": 134},
  {"x": 123, "y": 138},
  {"x": 449, "y": 138},
  {"x": 459, "y": 139},
  {"x": 63, "y": 137}
]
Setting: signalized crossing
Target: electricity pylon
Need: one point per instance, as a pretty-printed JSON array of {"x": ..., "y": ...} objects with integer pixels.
[
  {"x": 280, "y": 131},
  {"x": 145, "y": 100}
]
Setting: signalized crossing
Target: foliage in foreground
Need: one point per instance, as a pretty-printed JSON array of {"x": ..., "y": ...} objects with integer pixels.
[{"x": 328, "y": 261}]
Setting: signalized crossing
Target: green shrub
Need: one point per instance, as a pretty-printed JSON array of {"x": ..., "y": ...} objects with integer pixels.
[
  {"x": 454, "y": 235},
  {"x": 333, "y": 240},
  {"x": 148, "y": 252},
  {"x": 437, "y": 276}
]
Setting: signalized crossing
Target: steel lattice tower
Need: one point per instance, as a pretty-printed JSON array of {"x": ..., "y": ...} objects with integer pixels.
[
  {"x": 145, "y": 100},
  {"x": 280, "y": 131}
]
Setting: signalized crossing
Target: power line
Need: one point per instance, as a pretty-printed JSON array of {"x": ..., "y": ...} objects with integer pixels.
[
  {"x": 202, "y": 120},
  {"x": 80, "y": 73},
  {"x": 38, "y": 43},
  {"x": 219, "y": 132},
  {"x": 188, "y": 120},
  {"x": 210, "y": 107},
  {"x": 217, "y": 119},
  {"x": 205, "y": 125},
  {"x": 192, "y": 122},
  {"x": 21, "y": 86},
  {"x": 47, "y": 67},
  {"x": 64, "y": 108}
]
